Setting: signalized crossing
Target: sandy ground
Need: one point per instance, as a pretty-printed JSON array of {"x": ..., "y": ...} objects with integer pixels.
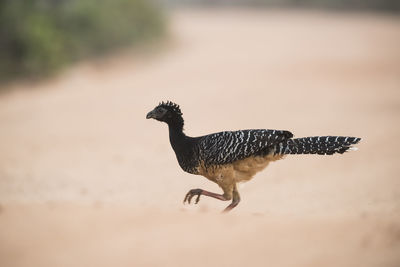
[{"x": 85, "y": 180}]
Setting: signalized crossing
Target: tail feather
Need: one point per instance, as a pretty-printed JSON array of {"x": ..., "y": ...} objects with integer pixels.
[{"x": 322, "y": 145}]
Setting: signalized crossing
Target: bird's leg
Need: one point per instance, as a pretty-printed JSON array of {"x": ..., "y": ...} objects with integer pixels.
[
  {"x": 235, "y": 200},
  {"x": 228, "y": 195},
  {"x": 199, "y": 192}
]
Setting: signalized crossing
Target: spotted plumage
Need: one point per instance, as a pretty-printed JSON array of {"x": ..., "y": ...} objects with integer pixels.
[
  {"x": 229, "y": 157},
  {"x": 322, "y": 145},
  {"x": 227, "y": 147}
]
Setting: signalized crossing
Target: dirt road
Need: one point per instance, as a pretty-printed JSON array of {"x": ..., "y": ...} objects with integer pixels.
[{"x": 86, "y": 180}]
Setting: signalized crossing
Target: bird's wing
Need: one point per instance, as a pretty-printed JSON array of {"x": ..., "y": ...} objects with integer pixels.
[{"x": 227, "y": 147}]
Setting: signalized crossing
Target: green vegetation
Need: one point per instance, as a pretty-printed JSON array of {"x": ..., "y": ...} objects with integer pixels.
[{"x": 38, "y": 37}]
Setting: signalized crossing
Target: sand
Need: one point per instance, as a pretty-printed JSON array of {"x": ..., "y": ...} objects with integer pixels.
[{"x": 86, "y": 180}]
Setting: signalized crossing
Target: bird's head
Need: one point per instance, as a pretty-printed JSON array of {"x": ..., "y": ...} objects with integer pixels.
[{"x": 168, "y": 112}]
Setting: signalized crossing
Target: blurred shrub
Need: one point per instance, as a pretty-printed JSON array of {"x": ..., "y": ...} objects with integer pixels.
[{"x": 38, "y": 37}]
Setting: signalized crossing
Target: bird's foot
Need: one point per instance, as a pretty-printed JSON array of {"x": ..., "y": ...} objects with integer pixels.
[{"x": 191, "y": 194}]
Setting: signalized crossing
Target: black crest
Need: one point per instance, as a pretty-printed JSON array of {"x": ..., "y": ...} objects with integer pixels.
[{"x": 171, "y": 106}]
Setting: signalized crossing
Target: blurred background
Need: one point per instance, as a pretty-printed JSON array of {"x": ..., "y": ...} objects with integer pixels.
[{"x": 86, "y": 180}]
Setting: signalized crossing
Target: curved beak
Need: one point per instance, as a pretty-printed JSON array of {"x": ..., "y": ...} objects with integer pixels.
[{"x": 150, "y": 115}]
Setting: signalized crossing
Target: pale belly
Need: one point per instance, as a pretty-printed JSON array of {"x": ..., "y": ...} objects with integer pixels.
[{"x": 238, "y": 171}]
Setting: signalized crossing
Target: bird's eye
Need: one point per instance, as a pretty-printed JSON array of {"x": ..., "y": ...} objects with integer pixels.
[{"x": 159, "y": 111}]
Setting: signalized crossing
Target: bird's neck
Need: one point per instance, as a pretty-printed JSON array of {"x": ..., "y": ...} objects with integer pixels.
[
  {"x": 175, "y": 125},
  {"x": 176, "y": 136},
  {"x": 184, "y": 148}
]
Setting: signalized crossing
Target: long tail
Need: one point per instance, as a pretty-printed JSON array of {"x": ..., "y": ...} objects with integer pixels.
[{"x": 322, "y": 145}]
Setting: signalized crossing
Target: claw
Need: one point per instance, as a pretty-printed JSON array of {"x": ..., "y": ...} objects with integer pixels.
[
  {"x": 186, "y": 197},
  {"x": 190, "y": 198},
  {"x": 191, "y": 194}
]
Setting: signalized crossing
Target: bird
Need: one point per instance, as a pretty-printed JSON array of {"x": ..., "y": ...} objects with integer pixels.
[{"x": 230, "y": 157}]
